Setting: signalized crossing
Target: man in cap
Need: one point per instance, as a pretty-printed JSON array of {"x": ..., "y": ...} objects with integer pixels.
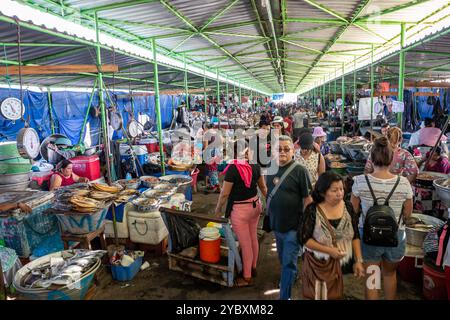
[{"x": 288, "y": 194}]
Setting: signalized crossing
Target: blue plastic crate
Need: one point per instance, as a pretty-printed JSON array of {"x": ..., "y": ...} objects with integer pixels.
[{"x": 120, "y": 273}]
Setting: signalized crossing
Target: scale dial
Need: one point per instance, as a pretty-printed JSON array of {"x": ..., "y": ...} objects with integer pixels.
[
  {"x": 116, "y": 121},
  {"x": 12, "y": 109},
  {"x": 28, "y": 143},
  {"x": 338, "y": 102},
  {"x": 134, "y": 129}
]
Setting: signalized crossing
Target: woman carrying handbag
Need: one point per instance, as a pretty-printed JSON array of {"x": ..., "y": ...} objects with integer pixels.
[{"x": 329, "y": 233}]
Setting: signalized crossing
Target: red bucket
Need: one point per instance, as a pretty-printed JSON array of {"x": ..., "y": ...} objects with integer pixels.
[
  {"x": 434, "y": 283},
  {"x": 210, "y": 250},
  {"x": 410, "y": 269}
]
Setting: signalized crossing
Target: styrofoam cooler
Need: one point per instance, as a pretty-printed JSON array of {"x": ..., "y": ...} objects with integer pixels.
[
  {"x": 122, "y": 227},
  {"x": 87, "y": 166},
  {"x": 146, "y": 227}
]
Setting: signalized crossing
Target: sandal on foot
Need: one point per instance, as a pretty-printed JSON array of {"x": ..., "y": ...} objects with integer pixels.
[{"x": 240, "y": 282}]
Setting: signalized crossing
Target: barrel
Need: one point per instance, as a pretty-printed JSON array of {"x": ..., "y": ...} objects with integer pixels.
[
  {"x": 209, "y": 245},
  {"x": 434, "y": 283}
]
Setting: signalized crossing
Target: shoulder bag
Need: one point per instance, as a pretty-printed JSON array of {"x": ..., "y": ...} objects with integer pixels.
[
  {"x": 322, "y": 279},
  {"x": 266, "y": 221}
]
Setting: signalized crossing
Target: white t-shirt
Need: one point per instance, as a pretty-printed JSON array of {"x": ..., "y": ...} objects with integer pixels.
[
  {"x": 381, "y": 188},
  {"x": 298, "y": 119}
]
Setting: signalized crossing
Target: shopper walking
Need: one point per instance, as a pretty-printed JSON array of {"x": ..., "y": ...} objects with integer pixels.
[
  {"x": 330, "y": 236},
  {"x": 288, "y": 194},
  {"x": 382, "y": 184},
  {"x": 240, "y": 193},
  {"x": 308, "y": 154}
]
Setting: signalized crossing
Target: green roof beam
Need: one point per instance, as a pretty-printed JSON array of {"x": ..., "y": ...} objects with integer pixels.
[
  {"x": 302, "y": 46},
  {"x": 116, "y": 5},
  {"x": 218, "y": 14},
  {"x": 361, "y": 5},
  {"x": 28, "y": 44},
  {"x": 45, "y": 58},
  {"x": 396, "y": 8},
  {"x": 234, "y": 34},
  {"x": 143, "y": 24}
]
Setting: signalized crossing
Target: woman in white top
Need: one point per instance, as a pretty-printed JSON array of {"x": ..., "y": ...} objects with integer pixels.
[
  {"x": 310, "y": 157},
  {"x": 382, "y": 182}
]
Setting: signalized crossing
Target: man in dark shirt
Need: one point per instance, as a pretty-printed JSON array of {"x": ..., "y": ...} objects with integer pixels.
[{"x": 286, "y": 209}]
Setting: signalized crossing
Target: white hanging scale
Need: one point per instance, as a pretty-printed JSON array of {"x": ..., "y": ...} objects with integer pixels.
[
  {"x": 116, "y": 120},
  {"x": 28, "y": 143},
  {"x": 133, "y": 129},
  {"x": 12, "y": 109}
]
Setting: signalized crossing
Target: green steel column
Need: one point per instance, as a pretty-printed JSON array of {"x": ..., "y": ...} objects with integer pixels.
[
  {"x": 50, "y": 110},
  {"x": 108, "y": 155},
  {"x": 343, "y": 98},
  {"x": 204, "y": 90},
  {"x": 86, "y": 116},
  {"x": 226, "y": 101},
  {"x": 218, "y": 96},
  {"x": 186, "y": 90},
  {"x": 371, "y": 90},
  {"x": 329, "y": 98},
  {"x": 335, "y": 89},
  {"x": 401, "y": 73},
  {"x": 354, "y": 82},
  {"x": 158, "y": 108},
  {"x": 323, "y": 95},
  {"x": 240, "y": 95}
]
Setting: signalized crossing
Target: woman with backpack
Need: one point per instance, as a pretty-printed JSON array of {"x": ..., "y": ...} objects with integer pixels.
[
  {"x": 402, "y": 162},
  {"x": 330, "y": 238},
  {"x": 384, "y": 201}
]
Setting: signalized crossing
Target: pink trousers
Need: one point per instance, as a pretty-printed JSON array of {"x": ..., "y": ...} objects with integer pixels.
[{"x": 244, "y": 220}]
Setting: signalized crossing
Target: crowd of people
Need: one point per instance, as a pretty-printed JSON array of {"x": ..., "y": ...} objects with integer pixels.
[{"x": 312, "y": 213}]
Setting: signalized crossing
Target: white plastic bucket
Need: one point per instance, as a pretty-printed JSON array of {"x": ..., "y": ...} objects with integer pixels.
[{"x": 209, "y": 234}]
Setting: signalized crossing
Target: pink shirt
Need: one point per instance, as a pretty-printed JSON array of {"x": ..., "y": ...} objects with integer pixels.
[
  {"x": 429, "y": 135},
  {"x": 403, "y": 163}
]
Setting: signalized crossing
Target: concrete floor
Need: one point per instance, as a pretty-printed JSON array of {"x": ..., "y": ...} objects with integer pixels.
[{"x": 158, "y": 282}]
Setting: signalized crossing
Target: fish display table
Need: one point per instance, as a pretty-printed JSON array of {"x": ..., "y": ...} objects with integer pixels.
[{"x": 23, "y": 232}]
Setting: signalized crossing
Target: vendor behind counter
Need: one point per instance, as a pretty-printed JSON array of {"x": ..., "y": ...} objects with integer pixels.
[{"x": 65, "y": 176}]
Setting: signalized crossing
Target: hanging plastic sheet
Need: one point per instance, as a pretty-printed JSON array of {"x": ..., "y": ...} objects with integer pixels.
[
  {"x": 36, "y": 106},
  {"x": 70, "y": 109},
  {"x": 424, "y": 109}
]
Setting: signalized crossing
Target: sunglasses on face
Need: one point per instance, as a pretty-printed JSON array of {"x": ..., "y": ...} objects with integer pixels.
[{"x": 286, "y": 150}]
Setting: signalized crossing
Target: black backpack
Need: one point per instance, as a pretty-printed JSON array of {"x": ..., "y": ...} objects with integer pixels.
[{"x": 380, "y": 226}]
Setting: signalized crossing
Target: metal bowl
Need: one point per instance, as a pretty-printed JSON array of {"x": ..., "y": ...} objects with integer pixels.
[
  {"x": 442, "y": 191},
  {"x": 6, "y": 179},
  {"x": 145, "y": 204},
  {"x": 160, "y": 194},
  {"x": 149, "y": 184},
  {"x": 15, "y": 186},
  {"x": 44, "y": 144}
]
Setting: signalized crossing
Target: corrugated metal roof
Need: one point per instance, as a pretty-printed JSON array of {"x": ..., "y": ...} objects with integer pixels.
[
  {"x": 343, "y": 7},
  {"x": 307, "y": 38}
]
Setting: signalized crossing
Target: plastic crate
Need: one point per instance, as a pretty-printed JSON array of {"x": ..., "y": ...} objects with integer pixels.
[
  {"x": 87, "y": 166},
  {"x": 120, "y": 273}
]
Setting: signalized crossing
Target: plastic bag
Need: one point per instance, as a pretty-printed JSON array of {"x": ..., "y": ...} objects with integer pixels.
[{"x": 183, "y": 232}]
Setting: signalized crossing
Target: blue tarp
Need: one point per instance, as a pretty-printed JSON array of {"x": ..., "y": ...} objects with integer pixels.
[
  {"x": 69, "y": 109},
  {"x": 36, "y": 106}
]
